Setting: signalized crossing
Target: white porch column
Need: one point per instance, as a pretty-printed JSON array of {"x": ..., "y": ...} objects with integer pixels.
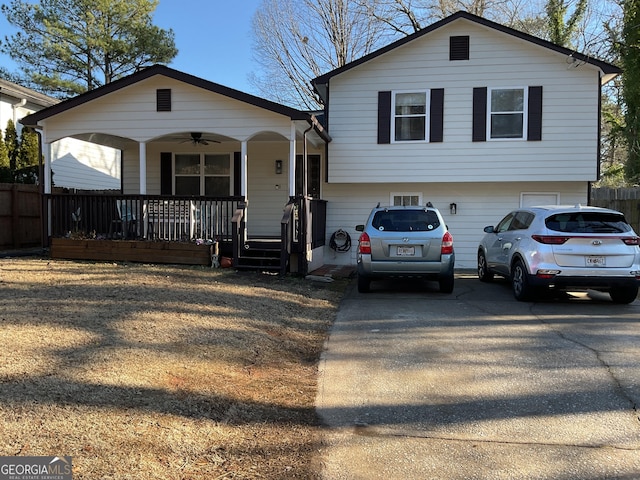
[
  {"x": 292, "y": 161},
  {"x": 143, "y": 168},
  {"x": 46, "y": 153},
  {"x": 243, "y": 169}
]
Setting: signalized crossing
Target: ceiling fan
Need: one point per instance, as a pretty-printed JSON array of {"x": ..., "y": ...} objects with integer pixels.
[{"x": 197, "y": 139}]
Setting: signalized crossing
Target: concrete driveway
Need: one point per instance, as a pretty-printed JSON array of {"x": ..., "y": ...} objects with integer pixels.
[{"x": 415, "y": 384}]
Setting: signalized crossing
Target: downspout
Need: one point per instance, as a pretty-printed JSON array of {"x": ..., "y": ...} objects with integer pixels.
[
  {"x": 15, "y": 107},
  {"x": 304, "y": 162},
  {"x": 303, "y": 263}
]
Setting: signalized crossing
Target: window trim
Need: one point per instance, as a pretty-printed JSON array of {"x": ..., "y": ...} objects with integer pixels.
[
  {"x": 427, "y": 115},
  {"x": 525, "y": 115},
  {"x": 405, "y": 194}
]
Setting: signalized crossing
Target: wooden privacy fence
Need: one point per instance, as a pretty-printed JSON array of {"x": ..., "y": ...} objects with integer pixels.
[
  {"x": 625, "y": 200},
  {"x": 20, "y": 210}
]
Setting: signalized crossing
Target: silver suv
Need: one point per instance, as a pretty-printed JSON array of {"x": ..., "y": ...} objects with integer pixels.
[
  {"x": 409, "y": 241},
  {"x": 563, "y": 247}
]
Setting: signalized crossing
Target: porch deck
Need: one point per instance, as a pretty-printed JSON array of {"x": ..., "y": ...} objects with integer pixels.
[{"x": 180, "y": 230}]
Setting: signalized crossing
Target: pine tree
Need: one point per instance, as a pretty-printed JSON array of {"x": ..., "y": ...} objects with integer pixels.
[
  {"x": 5, "y": 173},
  {"x": 12, "y": 144},
  {"x": 28, "y": 157}
]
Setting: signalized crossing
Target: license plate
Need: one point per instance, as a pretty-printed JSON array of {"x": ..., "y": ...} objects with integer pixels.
[
  {"x": 406, "y": 251},
  {"x": 596, "y": 261}
]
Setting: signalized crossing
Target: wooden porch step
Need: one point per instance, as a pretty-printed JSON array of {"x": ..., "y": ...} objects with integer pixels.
[{"x": 260, "y": 254}]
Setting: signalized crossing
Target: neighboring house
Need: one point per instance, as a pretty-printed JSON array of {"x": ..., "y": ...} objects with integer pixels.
[
  {"x": 469, "y": 115},
  {"x": 76, "y": 164},
  {"x": 17, "y": 101}
]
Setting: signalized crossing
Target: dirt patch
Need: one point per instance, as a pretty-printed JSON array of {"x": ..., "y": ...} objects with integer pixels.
[{"x": 146, "y": 372}]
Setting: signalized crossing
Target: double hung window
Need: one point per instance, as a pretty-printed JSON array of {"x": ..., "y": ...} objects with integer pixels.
[
  {"x": 203, "y": 174},
  {"x": 507, "y": 116},
  {"x": 410, "y": 116}
]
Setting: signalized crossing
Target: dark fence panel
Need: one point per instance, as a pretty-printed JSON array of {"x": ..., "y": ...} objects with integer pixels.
[
  {"x": 20, "y": 225},
  {"x": 625, "y": 200}
]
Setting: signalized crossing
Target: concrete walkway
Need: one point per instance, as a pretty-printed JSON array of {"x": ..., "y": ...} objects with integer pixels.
[{"x": 415, "y": 384}]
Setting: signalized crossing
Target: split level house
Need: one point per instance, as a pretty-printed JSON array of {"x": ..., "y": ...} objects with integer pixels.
[{"x": 470, "y": 115}]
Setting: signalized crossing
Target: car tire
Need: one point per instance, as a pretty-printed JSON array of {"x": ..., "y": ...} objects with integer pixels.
[
  {"x": 519, "y": 282},
  {"x": 364, "y": 284},
  {"x": 624, "y": 294},
  {"x": 483, "y": 270},
  {"x": 446, "y": 284}
]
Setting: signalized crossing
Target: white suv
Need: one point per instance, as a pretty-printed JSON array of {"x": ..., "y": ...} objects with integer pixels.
[
  {"x": 409, "y": 241},
  {"x": 563, "y": 247}
]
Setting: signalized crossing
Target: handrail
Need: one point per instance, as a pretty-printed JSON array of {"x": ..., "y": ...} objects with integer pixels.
[
  {"x": 237, "y": 232},
  {"x": 286, "y": 235}
]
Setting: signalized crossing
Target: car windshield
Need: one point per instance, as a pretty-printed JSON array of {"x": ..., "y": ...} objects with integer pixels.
[
  {"x": 405, "y": 220},
  {"x": 587, "y": 222}
]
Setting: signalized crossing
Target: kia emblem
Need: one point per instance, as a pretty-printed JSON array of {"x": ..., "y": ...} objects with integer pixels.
[
  {"x": 597, "y": 242},
  {"x": 405, "y": 239}
]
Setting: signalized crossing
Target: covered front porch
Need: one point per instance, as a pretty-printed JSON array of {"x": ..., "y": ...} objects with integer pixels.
[{"x": 201, "y": 163}]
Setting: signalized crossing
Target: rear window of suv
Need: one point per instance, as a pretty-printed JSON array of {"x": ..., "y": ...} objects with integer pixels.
[
  {"x": 587, "y": 222},
  {"x": 405, "y": 220}
]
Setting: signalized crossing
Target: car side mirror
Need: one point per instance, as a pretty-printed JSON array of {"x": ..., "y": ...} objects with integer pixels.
[
  {"x": 359, "y": 228},
  {"x": 489, "y": 229}
]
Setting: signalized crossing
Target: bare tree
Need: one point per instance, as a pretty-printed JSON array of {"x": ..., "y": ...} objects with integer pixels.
[{"x": 297, "y": 40}]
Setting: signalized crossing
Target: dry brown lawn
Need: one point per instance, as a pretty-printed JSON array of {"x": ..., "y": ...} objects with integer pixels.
[{"x": 161, "y": 372}]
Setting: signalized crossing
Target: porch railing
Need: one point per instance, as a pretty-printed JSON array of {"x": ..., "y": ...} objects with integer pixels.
[
  {"x": 304, "y": 221},
  {"x": 151, "y": 217}
]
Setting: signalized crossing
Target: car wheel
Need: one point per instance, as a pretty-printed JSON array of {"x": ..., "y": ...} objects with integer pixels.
[
  {"x": 446, "y": 284},
  {"x": 483, "y": 270},
  {"x": 364, "y": 284},
  {"x": 521, "y": 288},
  {"x": 624, "y": 294}
]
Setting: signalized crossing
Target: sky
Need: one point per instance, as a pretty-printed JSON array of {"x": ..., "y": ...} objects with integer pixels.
[{"x": 213, "y": 38}]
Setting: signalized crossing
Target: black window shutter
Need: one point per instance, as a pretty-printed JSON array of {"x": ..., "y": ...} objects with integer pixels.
[
  {"x": 384, "y": 117},
  {"x": 534, "y": 128},
  {"x": 479, "y": 131},
  {"x": 436, "y": 117},
  {"x": 163, "y": 100},
  {"x": 166, "y": 174},
  {"x": 237, "y": 160},
  {"x": 459, "y": 48}
]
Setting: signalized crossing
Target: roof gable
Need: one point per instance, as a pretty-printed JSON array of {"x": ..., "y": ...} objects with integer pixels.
[
  {"x": 33, "y": 119},
  {"x": 320, "y": 83}
]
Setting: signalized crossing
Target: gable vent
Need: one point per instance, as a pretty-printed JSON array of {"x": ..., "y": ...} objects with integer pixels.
[
  {"x": 163, "y": 100},
  {"x": 459, "y": 48}
]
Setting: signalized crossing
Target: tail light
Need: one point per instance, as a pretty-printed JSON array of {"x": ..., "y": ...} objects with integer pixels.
[
  {"x": 447, "y": 244},
  {"x": 550, "y": 239},
  {"x": 631, "y": 240},
  {"x": 364, "y": 244}
]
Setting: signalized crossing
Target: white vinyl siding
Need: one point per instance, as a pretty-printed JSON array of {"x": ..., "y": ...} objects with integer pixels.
[
  {"x": 478, "y": 205},
  {"x": 569, "y": 145}
]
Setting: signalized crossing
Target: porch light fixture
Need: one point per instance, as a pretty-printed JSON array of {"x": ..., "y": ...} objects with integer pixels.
[
  {"x": 278, "y": 167},
  {"x": 453, "y": 208}
]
